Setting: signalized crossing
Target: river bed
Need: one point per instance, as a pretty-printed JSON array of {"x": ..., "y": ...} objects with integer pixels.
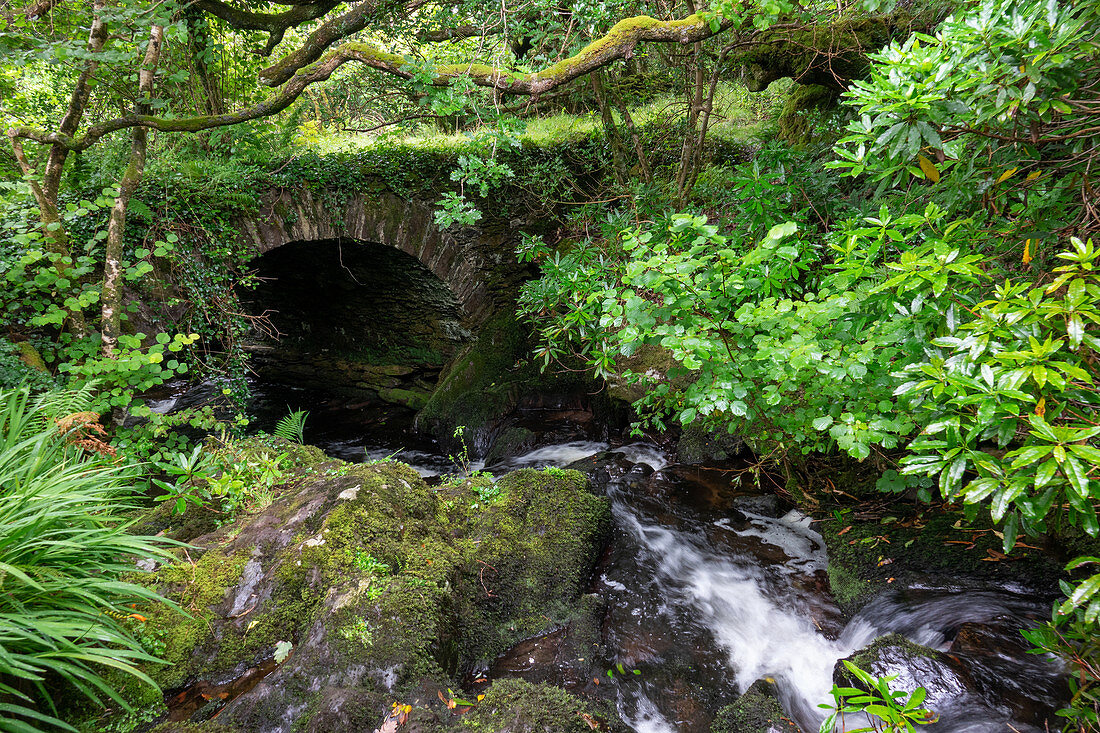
[{"x": 709, "y": 585}]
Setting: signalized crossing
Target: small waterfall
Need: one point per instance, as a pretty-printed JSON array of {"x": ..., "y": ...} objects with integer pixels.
[{"x": 763, "y": 626}]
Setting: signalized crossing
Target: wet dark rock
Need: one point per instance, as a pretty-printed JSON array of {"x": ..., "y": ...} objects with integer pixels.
[
  {"x": 386, "y": 588},
  {"x": 510, "y": 442},
  {"x": 756, "y": 711},
  {"x": 700, "y": 446},
  {"x": 1006, "y": 675},
  {"x": 766, "y": 505},
  {"x": 955, "y": 691},
  {"x": 608, "y": 467},
  {"x": 942, "y": 677}
]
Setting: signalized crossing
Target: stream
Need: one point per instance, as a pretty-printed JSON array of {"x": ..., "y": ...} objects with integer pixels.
[{"x": 711, "y": 585}]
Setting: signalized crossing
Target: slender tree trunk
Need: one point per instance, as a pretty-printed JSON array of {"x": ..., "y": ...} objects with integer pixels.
[
  {"x": 639, "y": 148},
  {"x": 708, "y": 109},
  {"x": 688, "y": 153},
  {"x": 111, "y": 296},
  {"x": 46, "y": 189},
  {"x": 209, "y": 87},
  {"x": 618, "y": 154}
]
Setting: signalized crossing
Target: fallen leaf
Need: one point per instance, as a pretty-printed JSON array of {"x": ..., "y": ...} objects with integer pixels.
[{"x": 844, "y": 531}]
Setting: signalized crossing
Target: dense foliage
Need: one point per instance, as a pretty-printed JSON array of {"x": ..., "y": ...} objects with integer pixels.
[
  {"x": 918, "y": 294},
  {"x": 955, "y": 316},
  {"x": 66, "y": 625}
]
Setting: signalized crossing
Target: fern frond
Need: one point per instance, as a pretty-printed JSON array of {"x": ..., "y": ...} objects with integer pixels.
[{"x": 292, "y": 426}]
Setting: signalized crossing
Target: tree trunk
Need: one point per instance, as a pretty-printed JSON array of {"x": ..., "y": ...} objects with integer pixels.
[
  {"x": 639, "y": 149},
  {"x": 689, "y": 153},
  {"x": 618, "y": 154},
  {"x": 111, "y": 297}
]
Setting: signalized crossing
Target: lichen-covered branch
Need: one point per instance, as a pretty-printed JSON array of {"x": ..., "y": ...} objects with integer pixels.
[
  {"x": 619, "y": 43},
  {"x": 331, "y": 31},
  {"x": 828, "y": 54}
]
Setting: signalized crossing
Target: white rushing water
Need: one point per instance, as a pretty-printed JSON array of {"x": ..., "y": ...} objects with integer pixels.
[
  {"x": 762, "y": 609},
  {"x": 561, "y": 454},
  {"x": 760, "y": 624}
]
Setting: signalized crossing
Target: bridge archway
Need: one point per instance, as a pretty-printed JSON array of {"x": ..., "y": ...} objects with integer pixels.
[{"x": 477, "y": 266}]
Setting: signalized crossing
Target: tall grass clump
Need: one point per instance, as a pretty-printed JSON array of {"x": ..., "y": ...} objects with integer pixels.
[{"x": 66, "y": 622}]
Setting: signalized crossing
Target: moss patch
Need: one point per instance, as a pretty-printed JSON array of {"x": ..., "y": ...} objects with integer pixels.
[
  {"x": 207, "y": 727},
  {"x": 521, "y": 707},
  {"x": 866, "y": 656},
  {"x": 485, "y": 382},
  {"x": 757, "y": 711},
  {"x": 807, "y": 106},
  {"x": 480, "y": 384}
]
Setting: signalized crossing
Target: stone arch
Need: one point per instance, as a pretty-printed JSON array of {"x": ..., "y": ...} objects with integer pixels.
[{"x": 470, "y": 262}]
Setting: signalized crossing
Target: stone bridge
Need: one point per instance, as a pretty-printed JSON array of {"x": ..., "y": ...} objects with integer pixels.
[
  {"x": 477, "y": 265},
  {"x": 364, "y": 293}
]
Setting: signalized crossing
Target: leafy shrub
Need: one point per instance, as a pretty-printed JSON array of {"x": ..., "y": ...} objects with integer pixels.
[
  {"x": 884, "y": 709},
  {"x": 1018, "y": 375}
]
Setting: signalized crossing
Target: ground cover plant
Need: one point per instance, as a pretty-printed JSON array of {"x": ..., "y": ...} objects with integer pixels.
[{"x": 66, "y": 623}]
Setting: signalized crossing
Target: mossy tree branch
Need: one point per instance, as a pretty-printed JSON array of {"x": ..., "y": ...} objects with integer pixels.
[{"x": 619, "y": 43}]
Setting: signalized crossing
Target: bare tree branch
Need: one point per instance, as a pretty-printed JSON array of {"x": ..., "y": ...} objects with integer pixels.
[
  {"x": 276, "y": 24},
  {"x": 458, "y": 33}
]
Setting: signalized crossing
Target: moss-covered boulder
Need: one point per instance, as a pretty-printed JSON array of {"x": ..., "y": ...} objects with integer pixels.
[
  {"x": 915, "y": 545},
  {"x": 206, "y": 727},
  {"x": 697, "y": 445},
  {"x": 368, "y": 587},
  {"x": 482, "y": 387},
  {"x": 532, "y": 555},
  {"x": 479, "y": 386},
  {"x": 756, "y": 711},
  {"x": 516, "y": 706}
]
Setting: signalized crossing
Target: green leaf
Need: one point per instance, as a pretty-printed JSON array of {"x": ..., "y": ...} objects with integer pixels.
[{"x": 1077, "y": 476}]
